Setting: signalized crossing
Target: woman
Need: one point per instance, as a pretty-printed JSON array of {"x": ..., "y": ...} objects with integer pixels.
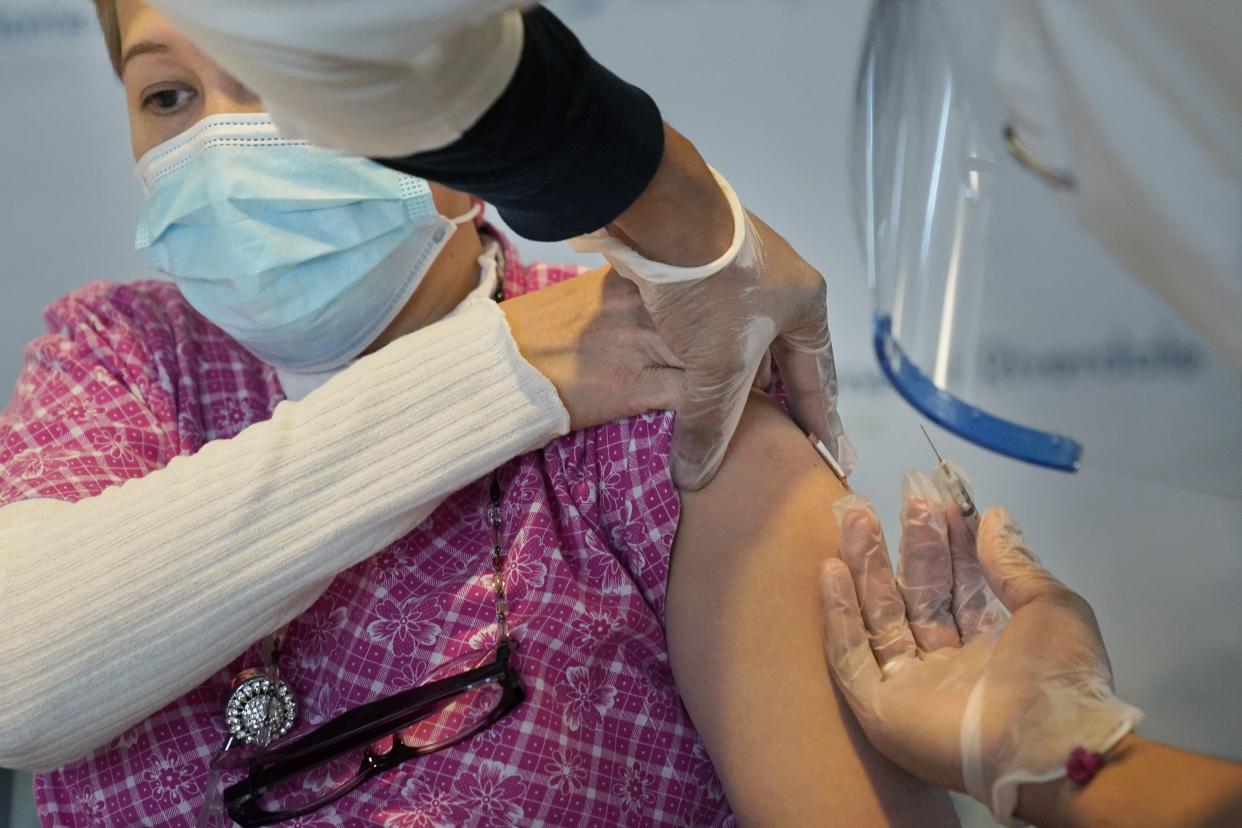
[{"x": 132, "y": 601}]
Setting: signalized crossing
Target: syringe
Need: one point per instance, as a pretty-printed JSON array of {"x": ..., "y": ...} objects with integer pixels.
[{"x": 955, "y": 484}]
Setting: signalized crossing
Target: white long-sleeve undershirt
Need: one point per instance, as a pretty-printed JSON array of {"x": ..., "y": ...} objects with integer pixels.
[{"x": 120, "y": 603}]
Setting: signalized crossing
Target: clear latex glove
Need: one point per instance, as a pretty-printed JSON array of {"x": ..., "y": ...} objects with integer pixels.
[
  {"x": 974, "y": 606},
  {"x": 1003, "y": 704},
  {"x": 761, "y": 296}
]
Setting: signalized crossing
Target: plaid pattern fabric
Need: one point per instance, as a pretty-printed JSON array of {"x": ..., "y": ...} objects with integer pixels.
[{"x": 130, "y": 376}]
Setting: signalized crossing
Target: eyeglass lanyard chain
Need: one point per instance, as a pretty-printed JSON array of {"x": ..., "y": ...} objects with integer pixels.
[
  {"x": 498, "y": 571},
  {"x": 498, "y": 549}
]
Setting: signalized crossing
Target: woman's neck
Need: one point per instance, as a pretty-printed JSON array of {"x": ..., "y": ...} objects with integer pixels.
[{"x": 453, "y": 275}]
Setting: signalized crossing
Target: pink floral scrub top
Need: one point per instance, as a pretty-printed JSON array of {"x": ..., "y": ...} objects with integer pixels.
[{"x": 130, "y": 376}]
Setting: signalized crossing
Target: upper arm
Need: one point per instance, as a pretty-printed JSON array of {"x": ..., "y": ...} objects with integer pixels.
[{"x": 745, "y": 641}]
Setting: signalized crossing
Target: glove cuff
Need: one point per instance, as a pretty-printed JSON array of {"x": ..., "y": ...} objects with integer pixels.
[
  {"x": 1040, "y": 746},
  {"x": 629, "y": 263}
]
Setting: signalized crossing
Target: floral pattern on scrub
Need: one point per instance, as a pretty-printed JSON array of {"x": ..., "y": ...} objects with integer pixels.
[{"x": 130, "y": 376}]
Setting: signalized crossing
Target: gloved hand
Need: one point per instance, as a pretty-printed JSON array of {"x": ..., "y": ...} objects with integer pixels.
[
  {"x": 942, "y": 683},
  {"x": 721, "y": 320}
]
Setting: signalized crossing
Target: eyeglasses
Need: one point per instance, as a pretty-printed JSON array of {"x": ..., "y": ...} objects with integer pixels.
[
  {"x": 334, "y": 759},
  {"x": 462, "y": 698}
]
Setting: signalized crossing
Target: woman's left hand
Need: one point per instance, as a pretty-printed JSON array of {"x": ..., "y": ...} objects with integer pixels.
[{"x": 593, "y": 340}]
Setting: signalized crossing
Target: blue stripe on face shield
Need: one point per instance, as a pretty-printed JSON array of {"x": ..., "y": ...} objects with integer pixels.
[{"x": 1043, "y": 448}]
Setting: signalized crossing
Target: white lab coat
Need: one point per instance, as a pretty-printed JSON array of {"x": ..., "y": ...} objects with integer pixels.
[
  {"x": 372, "y": 77},
  {"x": 1104, "y": 88}
]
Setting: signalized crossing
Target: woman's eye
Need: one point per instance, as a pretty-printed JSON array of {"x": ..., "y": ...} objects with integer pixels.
[{"x": 166, "y": 101}]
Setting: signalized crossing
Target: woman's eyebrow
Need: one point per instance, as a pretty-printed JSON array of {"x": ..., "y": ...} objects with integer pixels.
[{"x": 143, "y": 47}]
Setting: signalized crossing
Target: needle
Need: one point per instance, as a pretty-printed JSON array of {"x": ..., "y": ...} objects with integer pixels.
[{"x": 939, "y": 459}]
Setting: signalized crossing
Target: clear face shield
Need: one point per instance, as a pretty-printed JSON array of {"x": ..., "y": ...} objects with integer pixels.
[{"x": 996, "y": 315}]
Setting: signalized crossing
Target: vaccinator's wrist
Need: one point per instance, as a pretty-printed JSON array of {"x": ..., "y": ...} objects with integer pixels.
[
  {"x": 1066, "y": 803},
  {"x": 682, "y": 218},
  {"x": 1044, "y": 804}
]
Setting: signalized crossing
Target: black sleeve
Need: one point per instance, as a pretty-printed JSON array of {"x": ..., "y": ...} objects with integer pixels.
[{"x": 564, "y": 151}]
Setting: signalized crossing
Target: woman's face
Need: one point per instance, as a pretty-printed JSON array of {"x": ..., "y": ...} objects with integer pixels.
[{"x": 170, "y": 85}]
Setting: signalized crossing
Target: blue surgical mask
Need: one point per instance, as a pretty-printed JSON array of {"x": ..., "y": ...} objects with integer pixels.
[{"x": 303, "y": 255}]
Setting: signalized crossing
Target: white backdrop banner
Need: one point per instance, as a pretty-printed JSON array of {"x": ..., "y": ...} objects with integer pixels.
[{"x": 68, "y": 199}]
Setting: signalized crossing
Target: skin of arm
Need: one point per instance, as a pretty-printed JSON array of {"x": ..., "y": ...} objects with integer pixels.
[
  {"x": 745, "y": 646},
  {"x": 1144, "y": 784},
  {"x": 682, "y": 218}
]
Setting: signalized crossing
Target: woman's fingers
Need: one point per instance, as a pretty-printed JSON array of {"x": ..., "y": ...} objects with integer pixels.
[
  {"x": 846, "y": 643},
  {"x": 592, "y": 338},
  {"x": 658, "y": 389},
  {"x": 864, "y": 552},
  {"x": 924, "y": 568}
]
